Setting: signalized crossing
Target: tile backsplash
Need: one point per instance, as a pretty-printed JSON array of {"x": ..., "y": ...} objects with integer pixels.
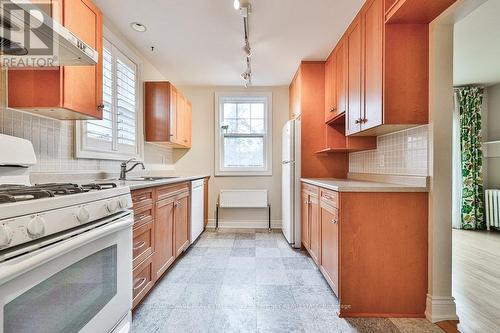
[
  {"x": 400, "y": 153},
  {"x": 53, "y": 141}
]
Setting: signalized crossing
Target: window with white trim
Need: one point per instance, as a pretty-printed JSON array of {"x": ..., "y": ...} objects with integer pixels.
[
  {"x": 114, "y": 137},
  {"x": 243, "y": 134}
]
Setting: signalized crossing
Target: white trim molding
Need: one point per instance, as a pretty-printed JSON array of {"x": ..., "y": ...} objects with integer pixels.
[
  {"x": 244, "y": 224},
  {"x": 440, "y": 308},
  {"x": 257, "y": 96}
]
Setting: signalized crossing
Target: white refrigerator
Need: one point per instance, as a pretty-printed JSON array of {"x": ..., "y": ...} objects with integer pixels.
[{"x": 291, "y": 182}]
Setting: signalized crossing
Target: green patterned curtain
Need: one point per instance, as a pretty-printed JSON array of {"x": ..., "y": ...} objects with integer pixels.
[{"x": 470, "y": 100}]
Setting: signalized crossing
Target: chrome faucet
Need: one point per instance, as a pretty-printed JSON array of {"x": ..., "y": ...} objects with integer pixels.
[{"x": 124, "y": 170}]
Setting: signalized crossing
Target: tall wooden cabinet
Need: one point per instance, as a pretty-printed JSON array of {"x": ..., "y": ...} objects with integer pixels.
[
  {"x": 168, "y": 115},
  {"x": 66, "y": 92}
]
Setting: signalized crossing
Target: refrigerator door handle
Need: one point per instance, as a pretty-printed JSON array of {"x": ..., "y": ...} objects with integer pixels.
[{"x": 287, "y": 162}]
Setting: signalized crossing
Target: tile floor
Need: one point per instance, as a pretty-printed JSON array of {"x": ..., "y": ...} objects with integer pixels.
[{"x": 251, "y": 281}]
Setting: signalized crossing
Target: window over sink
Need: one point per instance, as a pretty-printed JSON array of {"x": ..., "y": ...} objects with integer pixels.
[
  {"x": 243, "y": 134},
  {"x": 116, "y": 136}
]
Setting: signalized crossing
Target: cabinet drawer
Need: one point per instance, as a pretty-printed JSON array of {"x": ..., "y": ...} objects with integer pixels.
[
  {"x": 143, "y": 215},
  {"x": 310, "y": 189},
  {"x": 141, "y": 198},
  {"x": 172, "y": 190},
  {"x": 330, "y": 197},
  {"x": 142, "y": 280},
  {"x": 142, "y": 243}
]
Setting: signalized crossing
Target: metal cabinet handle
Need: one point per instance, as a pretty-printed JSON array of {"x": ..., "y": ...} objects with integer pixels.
[
  {"x": 139, "y": 283},
  {"x": 141, "y": 217},
  {"x": 358, "y": 121},
  {"x": 139, "y": 245},
  {"x": 334, "y": 221},
  {"x": 100, "y": 107},
  {"x": 306, "y": 202},
  {"x": 333, "y": 109},
  {"x": 364, "y": 120}
]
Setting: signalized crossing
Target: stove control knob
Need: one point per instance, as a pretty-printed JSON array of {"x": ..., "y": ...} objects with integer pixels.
[
  {"x": 36, "y": 227},
  {"x": 123, "y": 203},
  {"x": 83, "y": 215},
  {"x": 5, "y": 235},
  {"x": 112, "y": 206}
]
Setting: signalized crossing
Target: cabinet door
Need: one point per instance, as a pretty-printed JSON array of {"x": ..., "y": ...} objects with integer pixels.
[
  {"x": 330, "y": 87},
  {"x": 373, "y": 26},
  {"x": 188, "y": 123},
  {"x": 305, "y": 220},
  {"x": 341, "y": 78},
  {"x": 330, "y": 245},
  {"x": 354, "y": 77},
  {"x": 315, "y": 229},
  {"x": 173, "y": 115},
  {"x": 291, "y": 100},
  {"x": 164, "y": 231},
  {"x": 181, "y": 226},
  {"x": 82, "y": 85}
]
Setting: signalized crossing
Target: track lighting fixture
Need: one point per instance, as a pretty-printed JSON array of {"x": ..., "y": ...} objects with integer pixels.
[{"x": 245, "y": 9}]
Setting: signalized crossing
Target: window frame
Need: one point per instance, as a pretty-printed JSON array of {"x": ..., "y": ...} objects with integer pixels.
[
  {"x": 82, "y": 151},
  {"x": 220, "y": 99}
]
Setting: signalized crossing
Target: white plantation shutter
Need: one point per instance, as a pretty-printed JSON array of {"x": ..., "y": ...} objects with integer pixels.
[
  {"x": 116, "y": 133},
  {"x": 126, "y": 101}
]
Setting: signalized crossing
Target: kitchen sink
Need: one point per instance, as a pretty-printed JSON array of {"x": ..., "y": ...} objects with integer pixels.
[{"x": 148, "y": 179}]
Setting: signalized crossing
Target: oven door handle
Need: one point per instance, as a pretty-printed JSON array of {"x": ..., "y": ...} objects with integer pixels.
[{"x": 13, "y": 268}]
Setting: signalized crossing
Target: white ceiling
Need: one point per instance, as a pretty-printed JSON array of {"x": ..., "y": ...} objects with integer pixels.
[
  {"x": 198, "y": 42},
  {"x": 477, "y": 46}
]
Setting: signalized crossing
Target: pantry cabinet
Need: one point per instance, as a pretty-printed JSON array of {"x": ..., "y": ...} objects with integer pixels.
[
  {"x": 66, "y": 92},
  {"x": 168, "y": 115},
  {"x": 354, "y": 76}
]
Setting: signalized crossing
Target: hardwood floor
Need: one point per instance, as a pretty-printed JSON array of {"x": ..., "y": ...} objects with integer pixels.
[{"x": 476, "y": 280}]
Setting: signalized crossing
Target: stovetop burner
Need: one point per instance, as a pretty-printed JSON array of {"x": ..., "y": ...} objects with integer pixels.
[{"x": 16, "y": 193}]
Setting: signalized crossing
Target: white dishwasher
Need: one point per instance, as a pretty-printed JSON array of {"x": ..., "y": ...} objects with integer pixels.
[{"x": 197, "y": 208}]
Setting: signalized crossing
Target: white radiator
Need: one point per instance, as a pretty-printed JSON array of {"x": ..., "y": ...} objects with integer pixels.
[
  {"x": 493, "y": 208},
  {"x": 243, "y": 198}
]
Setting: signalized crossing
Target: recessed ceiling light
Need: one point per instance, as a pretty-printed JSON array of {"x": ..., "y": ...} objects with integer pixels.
[{"x": 139, "y": 27}]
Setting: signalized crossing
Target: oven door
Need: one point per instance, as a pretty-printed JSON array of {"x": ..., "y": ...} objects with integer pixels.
[{"x": 81, "y": 284}]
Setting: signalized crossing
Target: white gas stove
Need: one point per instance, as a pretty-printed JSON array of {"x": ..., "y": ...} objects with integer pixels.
[{"x": 49, "y": 233}]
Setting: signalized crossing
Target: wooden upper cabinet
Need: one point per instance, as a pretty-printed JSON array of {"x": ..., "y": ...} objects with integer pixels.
[
  {"x": 66, "y": 92},
  {"x": 341, "y": 77},
  {"x": 414, "y": 11},
  {"x": 373, "y": 30},
  {"x": 388, "y": 73},
  {"x": 331, "y": 87},
  {"x": 168, "y": 115},
  {"x": 355, "y": 105}
]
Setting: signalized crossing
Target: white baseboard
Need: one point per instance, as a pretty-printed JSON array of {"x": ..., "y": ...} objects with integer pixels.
[
  {"x": 244, "y": 224},
  {"x": 440, "y": 308}
]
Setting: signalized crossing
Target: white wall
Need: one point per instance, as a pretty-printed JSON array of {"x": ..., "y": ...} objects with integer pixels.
[
  {"x": 491, "y": 125},
  {"x": 201, "y": 158}
]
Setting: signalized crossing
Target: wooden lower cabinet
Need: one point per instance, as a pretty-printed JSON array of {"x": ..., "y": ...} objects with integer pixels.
[
  {"x": 372, "y": 249},
  {"x": 181, "y": 225},
  {"x": 160, "y": 235},
  {"x": 330, "y": 245},
  {"x": 310, "y": 225},
  {"x": 142, "y": 280},
  {"x": 164, "y": 229}
]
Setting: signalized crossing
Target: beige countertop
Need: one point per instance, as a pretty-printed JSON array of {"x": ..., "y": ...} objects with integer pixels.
[
  {"x": 352, "y": 185},
  {"x": 140, "y": 184}
]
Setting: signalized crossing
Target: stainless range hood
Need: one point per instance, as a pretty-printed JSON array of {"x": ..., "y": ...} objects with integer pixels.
[{"x": 54, "y": 44}]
